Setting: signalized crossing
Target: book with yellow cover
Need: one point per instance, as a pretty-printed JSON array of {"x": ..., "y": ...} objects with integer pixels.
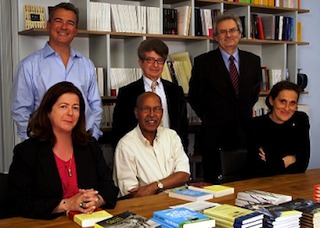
[
  {"x": 217, "y": 190},
  {"x": 234, "y": 214},
  {"x": 88, "y": 220}
]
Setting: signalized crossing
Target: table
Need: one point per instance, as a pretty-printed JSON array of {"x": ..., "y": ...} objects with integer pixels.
[{"x": 296, "y": 185}]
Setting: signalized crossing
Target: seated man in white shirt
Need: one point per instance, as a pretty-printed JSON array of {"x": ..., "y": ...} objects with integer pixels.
[{"x": 150, "y": 158}]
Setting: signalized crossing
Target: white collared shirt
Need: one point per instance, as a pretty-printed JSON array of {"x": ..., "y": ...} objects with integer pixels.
[{"x": 161, "y": 93}]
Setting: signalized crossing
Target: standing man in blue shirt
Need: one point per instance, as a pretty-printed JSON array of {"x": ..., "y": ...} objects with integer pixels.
[{"x": 54, "y": 63}]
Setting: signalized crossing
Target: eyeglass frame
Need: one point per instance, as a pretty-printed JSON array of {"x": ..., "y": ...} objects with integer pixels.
[
  {"x": 230, "y": 31},
  {"x": 152, "y": 60}
]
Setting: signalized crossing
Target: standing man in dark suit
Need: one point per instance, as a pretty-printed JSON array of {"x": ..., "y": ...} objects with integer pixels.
[
  {"x": 152, "y": 55},
  {"x": 224, "y": 103}
]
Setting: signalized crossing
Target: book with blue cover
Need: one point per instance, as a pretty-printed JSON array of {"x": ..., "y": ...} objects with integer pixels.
[
  {"x": 190, "y": 194},
  {"x": 181, "y": 217}
]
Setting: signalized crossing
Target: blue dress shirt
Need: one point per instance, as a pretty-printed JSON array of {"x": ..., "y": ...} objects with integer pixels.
[{"x": 36, "y": 73}]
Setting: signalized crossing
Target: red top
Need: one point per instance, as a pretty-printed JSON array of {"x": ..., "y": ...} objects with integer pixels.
[{"x": 68, "y": 176}]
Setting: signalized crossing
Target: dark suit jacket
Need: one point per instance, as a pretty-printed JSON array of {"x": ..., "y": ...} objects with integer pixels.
[
  {"x": 124, "y": 119},
  {"x": 34, "y": 181},
  {"x": 211, "y": 93}
]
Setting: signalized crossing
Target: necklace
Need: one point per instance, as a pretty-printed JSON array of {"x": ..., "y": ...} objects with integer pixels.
[{"x": 69, "y": 167}]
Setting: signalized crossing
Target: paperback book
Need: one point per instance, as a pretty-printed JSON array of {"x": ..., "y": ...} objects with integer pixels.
[
  {"x": 216, "y": 190},
  {"x": 257, "y": 196},
  {"x": 181, "y": 217},
  {"x": 233, "y": 214},
  {"x": 124, "y": 219},
  {"x": 198, "y": 206},
  {"x": 190, "y": 195},
  {"x": 88, "y": 220}
]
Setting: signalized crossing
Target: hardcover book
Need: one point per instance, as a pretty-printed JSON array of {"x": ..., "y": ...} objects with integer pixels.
[
  {"x": 124, "y": 219},
  {"x": 257, "y": 196},
  {"x": 87, "y": 220},
  {"x": 190, "y": 195},
  {"x": 234, "y": 214},
  {"x": 181, "y": 217},
  {"x": 217, "y": 190}
]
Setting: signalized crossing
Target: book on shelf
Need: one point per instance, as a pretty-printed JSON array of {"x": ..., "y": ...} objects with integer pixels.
[
  {"x": 233, "y": 214},
  {"x": 35, "y": 17},
  {"x": 88, "y": 220},
  {"x": 183, "y": 21},
  {"x": 268, "y": 22},
  {"x": 258, "y": 196},
  {"x": 181, "y": 217},
  {"x": 170, "y": 21},
  {"x": 217, "y": 190},
  {"x": 124, "y": 219},
  {"x": 190, "y": 195}
]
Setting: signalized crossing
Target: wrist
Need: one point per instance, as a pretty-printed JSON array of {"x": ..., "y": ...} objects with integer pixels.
[{"x": 100, "y": 201}]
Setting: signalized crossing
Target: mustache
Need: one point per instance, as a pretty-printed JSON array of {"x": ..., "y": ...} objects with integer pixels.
[{"x": 155, "y": 119}]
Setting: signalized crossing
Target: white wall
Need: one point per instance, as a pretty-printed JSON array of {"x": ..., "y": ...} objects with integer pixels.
[{"x": 308, "y": 60}]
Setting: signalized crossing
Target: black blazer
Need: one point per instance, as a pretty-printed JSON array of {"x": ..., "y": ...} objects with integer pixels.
[
  {"x": 224, "y": 115},
  {"x": 34, "y": 181},
  {"x": 124, "y": 119},
  {"x": 211, "y": 92}
]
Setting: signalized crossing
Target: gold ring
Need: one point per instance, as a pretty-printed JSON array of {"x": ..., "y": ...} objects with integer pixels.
[{"x": 81, "y": 204}]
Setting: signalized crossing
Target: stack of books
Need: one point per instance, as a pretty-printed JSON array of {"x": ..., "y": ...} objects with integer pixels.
[
  {"x": 260, "y": 197},
  {"x": 216, "y": 190},
  {"x": 183, "y": 218},
  {"x": 277, "y": 216},
  {"x": 310, "y": 212},
  {"x": 227, "y": 216}
]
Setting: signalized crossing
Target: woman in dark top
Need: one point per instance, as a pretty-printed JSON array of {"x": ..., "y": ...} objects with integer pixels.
[
  {"x": 278, "y": 142},
  {"x": 60, "y": 167}
]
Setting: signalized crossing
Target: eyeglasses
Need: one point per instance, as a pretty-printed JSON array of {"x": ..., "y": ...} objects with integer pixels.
[
  {"x": 151, "y": 60},
  {"x": 230, "y": 31},
  {"x": 147, "y": 109}
]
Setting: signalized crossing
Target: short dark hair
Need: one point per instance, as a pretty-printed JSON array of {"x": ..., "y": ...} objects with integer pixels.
[
  {"x": 223, "y": 17},
  {"x": 156, "y": 45},
  {"x": 40, "y": 127},
  {"x": 277, "y": 88},
  {"x": 66, "y": 6}
]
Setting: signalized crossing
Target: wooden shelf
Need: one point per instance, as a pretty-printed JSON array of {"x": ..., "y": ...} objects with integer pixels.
[{"x": 123, "y": 35}]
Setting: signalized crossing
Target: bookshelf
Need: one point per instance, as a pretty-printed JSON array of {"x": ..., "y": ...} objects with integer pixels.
[{"x": 109, "y": 49}]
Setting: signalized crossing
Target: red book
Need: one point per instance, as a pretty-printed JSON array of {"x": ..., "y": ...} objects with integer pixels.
[{"x": 260, "y": 28}]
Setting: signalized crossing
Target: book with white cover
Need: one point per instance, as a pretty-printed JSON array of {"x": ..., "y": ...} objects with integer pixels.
[
  {"x": 184, "y": 18},
  {"x": 258, "y": 196}
]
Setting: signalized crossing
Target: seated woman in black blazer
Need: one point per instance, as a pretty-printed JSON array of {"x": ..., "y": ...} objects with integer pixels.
[
  {"x": 60, "y": 167},
  {"x": 279, "y": 142}
]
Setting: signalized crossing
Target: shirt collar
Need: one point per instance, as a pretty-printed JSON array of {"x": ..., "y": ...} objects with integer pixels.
[
  {"x": 226, "y": 55},
  {"x": 147, "y": 81},
  {"x": 49, "y": 51}
]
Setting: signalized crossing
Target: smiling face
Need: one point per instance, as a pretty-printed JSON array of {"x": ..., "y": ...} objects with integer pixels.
[
  {"x": 65, "y": 113},
  {"x": 149, "y": 114},
  {"x": 152, "y": 70},
  {"x": 284, "y": 106},
  {"x": 228, "y": 35},
  {"x": 62, "y": 27}
]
